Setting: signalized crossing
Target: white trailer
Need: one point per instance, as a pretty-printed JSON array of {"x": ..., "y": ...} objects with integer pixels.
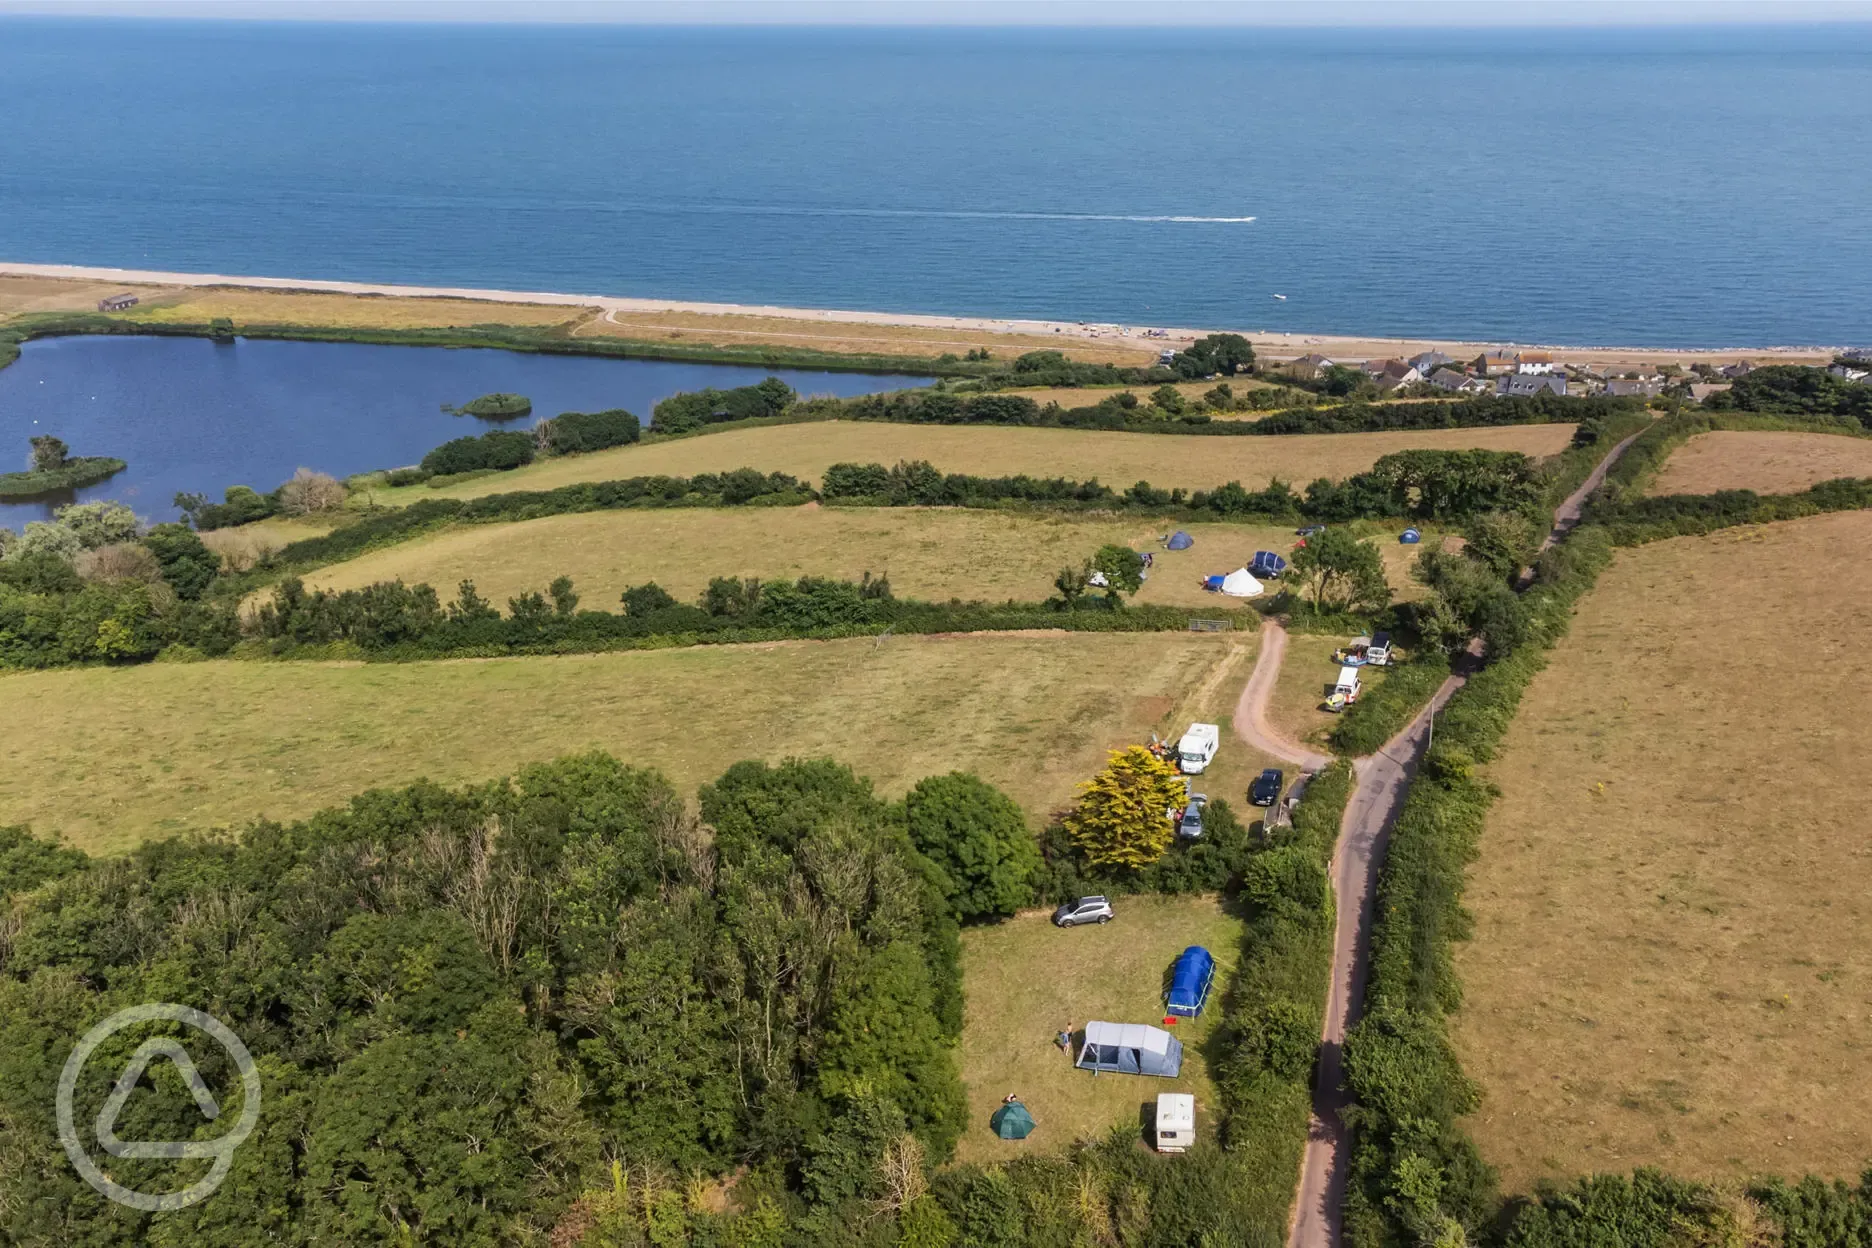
[{"x": 1176, "y": 1122}]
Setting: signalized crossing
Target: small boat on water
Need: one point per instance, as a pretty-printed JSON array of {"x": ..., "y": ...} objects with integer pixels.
[{"x": 1281, "y": 297}]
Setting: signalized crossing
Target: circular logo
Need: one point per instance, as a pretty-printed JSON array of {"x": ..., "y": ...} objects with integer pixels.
[{"x": 221, "y": 1150}]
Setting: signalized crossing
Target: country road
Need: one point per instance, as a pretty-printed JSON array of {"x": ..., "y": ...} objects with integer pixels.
[{"x": 1381, "y": 782}]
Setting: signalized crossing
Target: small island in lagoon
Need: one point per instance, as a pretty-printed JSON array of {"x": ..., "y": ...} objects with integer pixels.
[
  {"x": 494, "y": 407},
  {"x": 53, "y": 467}
]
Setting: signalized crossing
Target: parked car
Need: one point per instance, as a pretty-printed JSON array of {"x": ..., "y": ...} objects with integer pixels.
[
  {"x": 1085, "y": 910},
  {"x": 1190, "y": 825},
  {"x": 1310, "y": 530},
  {"x": 1266, "y": 789}
]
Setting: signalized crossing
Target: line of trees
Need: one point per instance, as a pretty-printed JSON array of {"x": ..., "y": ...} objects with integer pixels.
[{"x": 1421, "y": 484}]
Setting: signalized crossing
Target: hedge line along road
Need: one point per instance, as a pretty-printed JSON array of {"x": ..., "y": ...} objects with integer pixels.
[{"x": 1381, "y": 781}]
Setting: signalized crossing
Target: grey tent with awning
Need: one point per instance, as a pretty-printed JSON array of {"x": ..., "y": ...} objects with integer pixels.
[{"x": 1130, "y": 1049}]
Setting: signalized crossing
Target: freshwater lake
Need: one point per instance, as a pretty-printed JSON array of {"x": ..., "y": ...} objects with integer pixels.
[{"x": 190, "y": 415}]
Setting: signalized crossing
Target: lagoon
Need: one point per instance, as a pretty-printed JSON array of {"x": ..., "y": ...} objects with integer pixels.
[{"x": 190, "y": 414}]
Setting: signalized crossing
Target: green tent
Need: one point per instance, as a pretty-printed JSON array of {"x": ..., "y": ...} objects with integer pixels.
[{"x": 1012, "y": 1121}]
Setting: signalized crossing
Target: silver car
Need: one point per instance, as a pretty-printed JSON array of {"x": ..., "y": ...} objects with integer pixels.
[
  {"x": 1085, "y": 910},
  {"x": 1190, "y": 826}
]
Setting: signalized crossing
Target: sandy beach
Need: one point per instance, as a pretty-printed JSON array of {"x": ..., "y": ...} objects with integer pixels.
[{"x": 1112, "y": 339}]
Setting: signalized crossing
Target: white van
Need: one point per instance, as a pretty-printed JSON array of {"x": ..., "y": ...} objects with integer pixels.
[
  {"x": 1348, "y": 684},
  {"x": 1176, "y": 1122},
  {"x": 1198, "y": 748}
]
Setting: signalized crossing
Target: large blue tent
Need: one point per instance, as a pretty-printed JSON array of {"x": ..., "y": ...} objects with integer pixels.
[
  {"x": 1179, "y": 540},
  {"x": 1189, "y": 982}
]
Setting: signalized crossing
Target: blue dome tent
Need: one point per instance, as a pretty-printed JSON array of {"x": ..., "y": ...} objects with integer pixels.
[
  {"x": 1189, "y": 982},
  {"x": 1179, "y": 540},
  {"x": 1410, "y": 537}
]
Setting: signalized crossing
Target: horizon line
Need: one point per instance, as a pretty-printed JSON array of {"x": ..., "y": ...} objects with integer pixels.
[{"x": 1167, "y": 16}]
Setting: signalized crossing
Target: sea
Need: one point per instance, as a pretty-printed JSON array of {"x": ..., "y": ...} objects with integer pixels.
[{"x": 1672, "y": 186}]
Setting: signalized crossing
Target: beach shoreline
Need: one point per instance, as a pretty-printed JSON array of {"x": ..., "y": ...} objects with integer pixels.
[{"x": 1145, "y": 340}]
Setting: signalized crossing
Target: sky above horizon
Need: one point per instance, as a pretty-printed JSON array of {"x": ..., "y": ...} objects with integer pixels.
[{"x": 1373, "y": 13}]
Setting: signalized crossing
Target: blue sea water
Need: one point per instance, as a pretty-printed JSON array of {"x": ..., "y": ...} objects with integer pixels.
[{"x": 1697, "y": 186}]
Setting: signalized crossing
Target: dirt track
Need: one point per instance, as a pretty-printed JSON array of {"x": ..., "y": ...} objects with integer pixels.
[
  {"x": 1381, "y": 782},
  {"x": 1251, "y": 723}
]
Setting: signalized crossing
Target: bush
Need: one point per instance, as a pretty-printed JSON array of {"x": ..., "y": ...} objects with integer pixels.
[
  {"x": 242, "y": 506},
  {"x": 187, "y": 564},
  {"x": 406, "y": 476},
  {"x": 311, "y": 493},
  {"x": 978, "y": 840},
  {"x": 499, "y": 451},
  {"x": 71, "y": 474},
  {"x": 575, "y": 433},
  {"x": 687, "y": 412}
]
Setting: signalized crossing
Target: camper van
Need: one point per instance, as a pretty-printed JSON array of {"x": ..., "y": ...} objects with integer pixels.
[
  {"x": 1197, "y": 748},
  {"x": 1345, "y": 690},
  {"x": 1378, "y": 653},
  {"x": 1176, "y": 1122}
]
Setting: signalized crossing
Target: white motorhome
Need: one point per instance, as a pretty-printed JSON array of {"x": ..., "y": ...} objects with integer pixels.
[
  {"x": 1176, "y": 1122},
  {"x": 1198, "y": 748}
]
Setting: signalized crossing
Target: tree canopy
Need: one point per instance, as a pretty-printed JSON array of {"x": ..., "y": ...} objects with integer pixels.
[{"x": 978, "y": 838}]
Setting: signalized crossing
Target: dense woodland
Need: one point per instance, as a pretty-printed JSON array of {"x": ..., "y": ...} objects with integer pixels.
[{"x": 564, "y": 1008}]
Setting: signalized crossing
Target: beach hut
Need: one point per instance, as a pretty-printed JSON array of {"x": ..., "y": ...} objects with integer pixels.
[
  {"x": 1012, "y": 1121},
  {"x": 1240, "y": 584},
  {"x": 1410, "y": 537},
  {"x": 1189, "y": 983},
  {"x": 1179, "y": 540},
  {"x": 1130, "y": 1049}
]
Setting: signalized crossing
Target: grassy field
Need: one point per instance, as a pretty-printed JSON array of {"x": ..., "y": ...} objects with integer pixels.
[
  {"x": 1027, "y": 980},
  {"x": 110, "y": 756},
  {"x": 1672, "y": 959},
  {"x": 21, "y": 296},
  {"x": 1768, "y": 463},
  {"x": 933, "y": 554},
  {"x": 1118, "y": 459}
]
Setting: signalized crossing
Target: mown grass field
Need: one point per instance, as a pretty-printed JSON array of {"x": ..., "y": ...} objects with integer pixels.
[
  {"x": 933, "y": 554},
  {"x": 1028, "y": 980},
  {"x": 1768, "y": 463},
  {"x": 1672, "y": 957},
  {"x": 1118, "y": 459},
  {"x": 111, "y": 756}
]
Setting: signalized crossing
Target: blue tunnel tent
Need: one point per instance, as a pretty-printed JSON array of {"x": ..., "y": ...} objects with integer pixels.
[
  {"x": 1189, "y": 983},
  {"x": 1130, "y": 1049},
  {"x": 1179, "y": 540}
]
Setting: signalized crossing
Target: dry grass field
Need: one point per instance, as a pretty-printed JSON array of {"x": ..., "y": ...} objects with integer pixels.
[
  {"x": 934, "y": 554},
  {"x": 1768, "y": 463},
  {"x": 847, "y": 337},
  {"x": 111, "y": 756},
  {"x": 1118, "y": 459},
  {"x": 20, "y": 296},
  {"x": 1028, "y": 980},
  {"x": 1672, "y": 959},
  {"x": 330, "y": 310}
]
